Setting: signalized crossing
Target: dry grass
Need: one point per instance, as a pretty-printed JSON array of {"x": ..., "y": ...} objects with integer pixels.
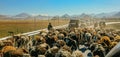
[{"x": 21, "y": 26}]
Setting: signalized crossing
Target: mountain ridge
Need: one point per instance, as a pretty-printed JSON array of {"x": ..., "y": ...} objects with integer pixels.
[{"x": 83, "y": 15}]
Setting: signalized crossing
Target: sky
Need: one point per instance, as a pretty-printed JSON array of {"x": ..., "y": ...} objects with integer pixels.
[{"x": 58, "y": 7}]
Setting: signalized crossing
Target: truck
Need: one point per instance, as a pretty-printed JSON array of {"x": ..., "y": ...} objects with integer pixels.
[{"x": 73, "y": 24}]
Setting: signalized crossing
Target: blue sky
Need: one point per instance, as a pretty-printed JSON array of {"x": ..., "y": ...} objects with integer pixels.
[{"x": 58, "y": 7}]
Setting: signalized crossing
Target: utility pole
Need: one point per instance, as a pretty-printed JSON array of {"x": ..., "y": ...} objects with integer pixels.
[
  {"x": 34, "y": 23},
  {"x": 58, "y": 20}
]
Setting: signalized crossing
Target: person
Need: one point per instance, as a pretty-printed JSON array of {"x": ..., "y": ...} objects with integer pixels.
[{"x": 50, "y": 26}]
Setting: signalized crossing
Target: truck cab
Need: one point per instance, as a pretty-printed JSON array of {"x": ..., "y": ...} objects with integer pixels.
[{"x": 73, "y": 24}]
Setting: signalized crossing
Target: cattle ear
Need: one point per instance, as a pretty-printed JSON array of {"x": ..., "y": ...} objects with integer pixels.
[{"x": 25, "y": 51}]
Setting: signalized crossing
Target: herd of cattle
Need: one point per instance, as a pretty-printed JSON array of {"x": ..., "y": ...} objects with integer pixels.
[{"x": 78, "y": 42}]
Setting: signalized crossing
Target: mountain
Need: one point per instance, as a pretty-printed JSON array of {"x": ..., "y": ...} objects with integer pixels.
[
  {"x": 3, "y": 16},
  {"x": 43, "y": 17},
  {"x": 83, "y": 15},
  {"x": 101, "y": 15},
  {"x": 117, "y": 15},
  {"x": 105, "y": 15},
  {"x": 22, "y": 15},
  {"x": 56, "y": 17},
  {"x": 65, "y": 16}
]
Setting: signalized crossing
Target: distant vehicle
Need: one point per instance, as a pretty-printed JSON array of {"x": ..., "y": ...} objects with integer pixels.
[{"x": 73, "y": 24}]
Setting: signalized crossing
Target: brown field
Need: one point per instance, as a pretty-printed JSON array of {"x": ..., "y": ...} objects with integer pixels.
[{"x": 22, "y": 26}]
